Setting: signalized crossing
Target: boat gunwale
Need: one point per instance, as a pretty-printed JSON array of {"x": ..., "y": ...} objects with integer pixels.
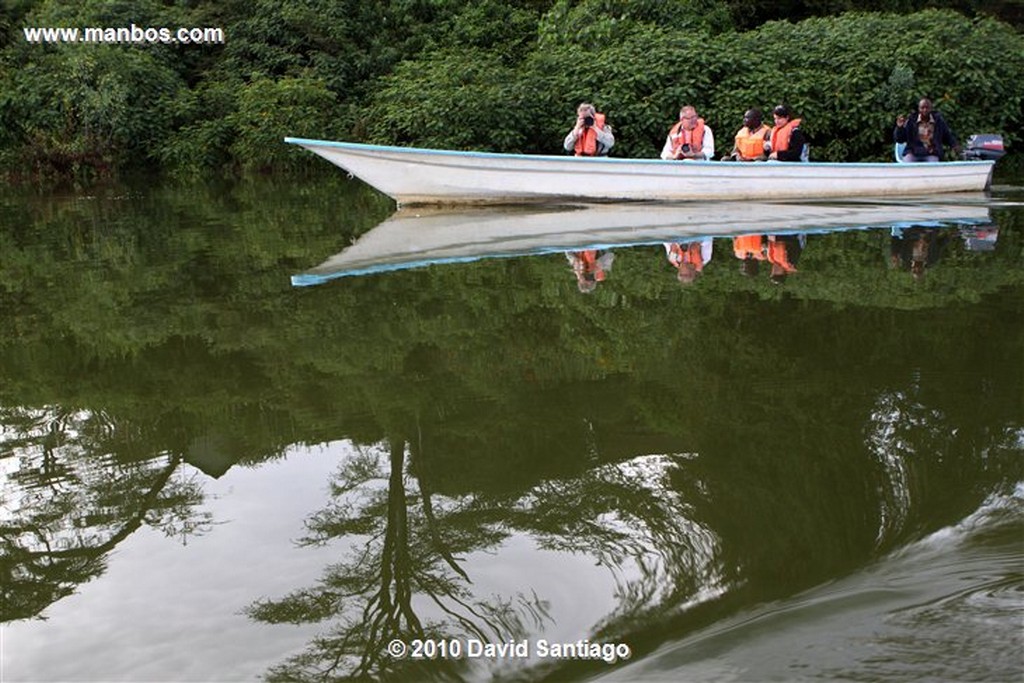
[{"x": 362, "y": 147}]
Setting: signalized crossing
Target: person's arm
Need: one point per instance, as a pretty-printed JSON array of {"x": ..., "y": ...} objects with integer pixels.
[
  {"x": 707, "y": 146},
  {"x": 899, "y": 133},
  {"x": 948, "y": 138},
  {"x": 570, "y": 141},
  {"x": 666, "y": 151},
  {"x": 575, "y": 262},
  {"x": 605, "y": 139},
  {"x": 606, "y": 260},
  {"x": 705, "y": 251}
]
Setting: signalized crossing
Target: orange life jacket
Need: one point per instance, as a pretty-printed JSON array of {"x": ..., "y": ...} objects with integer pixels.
[
  {"x": 691, "y": 253},
  {"x": 747, "y": 246},
  {"x": 591, "y": 264},
  {"x": 751, "y": 145},
  {"x": 586, "y": 143},
  {"x": 779, "y": 255},
  {"x": 680, "y": 136},
  {"x": 781, "y": 135}
]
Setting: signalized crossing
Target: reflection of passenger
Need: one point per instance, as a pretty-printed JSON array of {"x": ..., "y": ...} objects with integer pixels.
[
  {"x": 783, "y": 251},
  {"x": 750, "y": 250},
  {"x": 590, "y": 267},
  {"x": 689, "y": 259},
  {"x": 980, "y": 237},
  {"x": 916, "y": 248}
]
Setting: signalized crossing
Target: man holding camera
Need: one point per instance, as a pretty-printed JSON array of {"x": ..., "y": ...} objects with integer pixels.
[
  {"x": 690, "y": 139},
  {"x": 590, "y": 136}
]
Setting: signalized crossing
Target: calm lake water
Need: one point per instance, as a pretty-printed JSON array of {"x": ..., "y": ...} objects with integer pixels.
[{"x": 806, "y": 464}]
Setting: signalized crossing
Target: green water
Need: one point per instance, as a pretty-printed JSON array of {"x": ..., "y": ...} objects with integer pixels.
[{"x": 211, "y": 475}]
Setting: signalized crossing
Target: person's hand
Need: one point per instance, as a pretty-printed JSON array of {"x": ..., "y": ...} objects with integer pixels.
[{"x": 901, "y": 121}]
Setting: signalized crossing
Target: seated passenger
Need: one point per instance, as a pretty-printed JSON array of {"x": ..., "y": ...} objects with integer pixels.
[
  {"x": 924, "y": 132},
  {"x": 690, "y": 139},
  {"x": 750, "y": 139},
  {"x": 590, "y": 136},
  {"x": 787, "y": 141}
]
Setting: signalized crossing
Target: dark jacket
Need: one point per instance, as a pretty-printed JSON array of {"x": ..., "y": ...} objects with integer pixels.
[
  {"x": 797, "y": 140},
  {"x": 908, "y": 134}
]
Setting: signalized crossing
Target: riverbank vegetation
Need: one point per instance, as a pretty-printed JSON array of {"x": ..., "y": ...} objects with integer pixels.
[{"x": 484, "y": 75}]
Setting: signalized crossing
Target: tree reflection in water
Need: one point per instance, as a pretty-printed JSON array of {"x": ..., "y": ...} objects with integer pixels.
[
  {"x": 407, "y": 565},
  {"x": 625, "y": 515},
  {"x": 73, "y": 492}
]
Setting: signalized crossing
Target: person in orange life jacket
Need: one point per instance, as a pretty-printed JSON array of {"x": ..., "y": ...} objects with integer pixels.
[
  {"x": 924, "y": 132},
  {"x": 690, "y": 138},
  {"x": 590, "y": 267},
  {"x": 750, "y": 139},
  {"x": 591, "y": 136},
  {"x": 783, "y": 251},
  {"x": 749, "y": 249},
  {"x": 786, "y": 141},
  {"x": 689, "y": 259}
]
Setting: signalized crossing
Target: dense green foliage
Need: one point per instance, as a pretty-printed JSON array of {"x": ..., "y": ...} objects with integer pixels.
[
  {"x": 484, "y": 75},
  {"x": 847, "y": 76}
]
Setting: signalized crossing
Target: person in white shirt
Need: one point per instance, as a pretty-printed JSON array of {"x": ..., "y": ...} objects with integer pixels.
[{"x": 690, "y": 138}]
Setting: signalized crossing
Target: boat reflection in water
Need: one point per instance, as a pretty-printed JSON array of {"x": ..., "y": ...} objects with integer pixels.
[{"x": 417, "y": 238}]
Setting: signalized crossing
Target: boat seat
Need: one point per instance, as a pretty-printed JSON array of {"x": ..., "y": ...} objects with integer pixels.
[{"x": 897, "y": 149}]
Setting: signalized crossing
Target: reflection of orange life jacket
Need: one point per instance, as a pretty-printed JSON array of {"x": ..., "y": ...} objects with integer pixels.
[
  {"x": 779, "y": 256},
  {"x": 591, "y": 264},
  {"x": 781, "y": 135},
  {"x": 586, "y": 143},
  {"x": 691, "y": 254},
  {"x": 680, "y": 136},
  {"x": 748, "y": 246},
  {"x": 751, "y": 145}
]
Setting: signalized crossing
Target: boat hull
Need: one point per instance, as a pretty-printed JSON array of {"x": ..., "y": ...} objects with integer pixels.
[{"x": 414, "y": 176}]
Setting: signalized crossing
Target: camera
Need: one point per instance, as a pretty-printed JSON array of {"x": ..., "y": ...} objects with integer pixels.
[
  {"x": 588, "y": 121},
  {"x": 685, "y": 149}
]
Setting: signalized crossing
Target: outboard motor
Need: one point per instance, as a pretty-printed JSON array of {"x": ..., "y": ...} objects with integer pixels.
[{"x": 984, "y": 147}]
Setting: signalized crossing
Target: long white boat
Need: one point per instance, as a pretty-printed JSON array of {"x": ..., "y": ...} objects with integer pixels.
[
  {"x": 414, "y": 176},
  {"x": 415, "y": 238}
]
